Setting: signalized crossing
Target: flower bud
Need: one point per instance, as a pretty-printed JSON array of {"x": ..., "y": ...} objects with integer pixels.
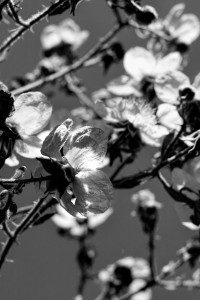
[
  {"x": 147, "y": 209},
  {"x": 146, "y": 15}
]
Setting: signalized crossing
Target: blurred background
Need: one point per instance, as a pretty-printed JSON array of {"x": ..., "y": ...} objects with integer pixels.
[{"x": 44, "y": 265}]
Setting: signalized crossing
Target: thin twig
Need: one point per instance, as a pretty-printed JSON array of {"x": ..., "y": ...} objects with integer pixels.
[
  {"x": 21, "y": 30},
  {"x": 152, "y": 254},
  {"x": 13, "y": 238},
  {"x": 76, "y": 65}
]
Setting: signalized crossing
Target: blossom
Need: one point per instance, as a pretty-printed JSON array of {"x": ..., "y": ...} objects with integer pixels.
[
  {"x": 169, "y": 117},
  {"x": 84, "y": 150},
  {"x": 185, "y": 28},
  {"x": 170, "y": 87},
  {"x": 137, "y": 112},
  {"x": 32, "y": 112},
  {"x": 179, "y": 30},
  {"x": 142, "y": 67},
  {"x": 187, "y": 181},
  {"x": 66, "y": 33},
  {"x": 127, "y": 275},
  {"x": 78, "y": 226},
  {"x": 147, "y": 209}
]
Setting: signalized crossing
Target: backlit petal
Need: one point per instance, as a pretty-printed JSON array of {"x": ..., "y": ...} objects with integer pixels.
[
  {"x": 86, "y": 148},
  {"x": 56, "y": 139},
  {"x": 93, "y": 190}
]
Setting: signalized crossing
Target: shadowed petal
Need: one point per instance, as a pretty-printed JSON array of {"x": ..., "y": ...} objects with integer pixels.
[
  {"x": 93, "y": 191},
  {"x": 56, "y": 139},
  {"x": 86, "y": 148}
]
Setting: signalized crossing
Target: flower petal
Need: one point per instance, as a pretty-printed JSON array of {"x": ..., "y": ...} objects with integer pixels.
[
  {"x": 71, "y": 33},
  {"x": 123, "y": 86},
  {"x": 12, "y": 161},
  {"x": 139, "y": 62},
  {"x": 154, "y": 136},
  {"x": 169, "y": 117},
  {"x": 93, "y": 191},
  {"x": 184, "y": 27},
  {"x": 86, "y": 148},
  {"x": 32, "y": 113},
  {"x": 30, "y": 146},
  {"x": 170, "y": 62},
  {"x": 50, "y": 37},
  {"x": 56, "y": 139},
  {"x": 137, "y": 285},
  {"x": 174, "y": 14},
  {"x": 96, "y": 220},
  {"x": 167, "y": 86}
]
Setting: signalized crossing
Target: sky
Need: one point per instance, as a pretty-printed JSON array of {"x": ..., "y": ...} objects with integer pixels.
[{"x": 44, "y": 265}]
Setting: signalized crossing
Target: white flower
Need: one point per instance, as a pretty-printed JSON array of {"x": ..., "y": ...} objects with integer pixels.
[
  {"x": 183, "y": 27},
  {"x": 76, "y": 226},
  {"x": 130, "y": 274},
  {"x": 179, "y": 27},
  {"x": 84, "y": 150},
  {"x": 67, "y": 33},
  {"x": 137, "y": 112},
  {"x": 168, "y": 86},
  {"x": 32, "y": 114},
  {"x": 141, "y": 64},
  {"x": 169, "y": 117}
]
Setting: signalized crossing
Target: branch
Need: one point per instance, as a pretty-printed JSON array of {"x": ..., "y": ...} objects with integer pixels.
[
  {"x": 136, "y": 179},
  {"x": 76, "y": 65},
  {"x": 21, "y": 30},
  {"x": 13, "y": 237}
]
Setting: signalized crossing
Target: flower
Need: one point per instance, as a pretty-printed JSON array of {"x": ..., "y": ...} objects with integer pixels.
[
  {"x": 78, "y": 226},
  {"x": 179, "y": 30},
  {"x": 185, "y": 28},
  {"x": 171, "y": 87},
  {"x": 143, "y": 68},
  {"x": 169, "y": 117},
  {"x": 137, "y": 112},
  {"x": 32, "y": 112},
  {"x": 127, "y": 275},
  {"x": 147, "y": 209},
  {"x": 66, "y": 33},
  {"x": 84, "y": 150},
  {"x": 175, "y": 89}
]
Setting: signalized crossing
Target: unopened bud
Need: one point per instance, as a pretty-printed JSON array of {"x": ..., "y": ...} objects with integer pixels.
[{"x": 147, "y": 209}]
